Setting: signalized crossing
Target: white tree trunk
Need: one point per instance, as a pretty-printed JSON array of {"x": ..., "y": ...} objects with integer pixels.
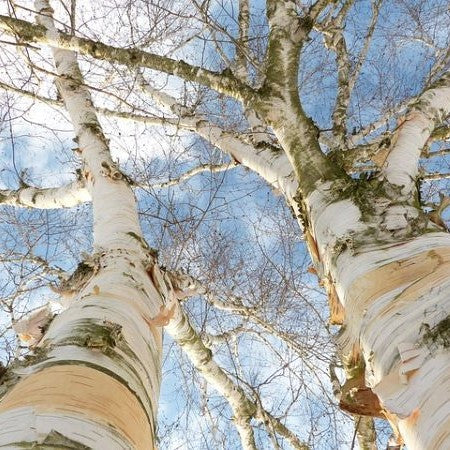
[
  {"x": 95, "y": 375},
  {"x": 396, "y": 301},
  {"x": 395, "y": 294}
]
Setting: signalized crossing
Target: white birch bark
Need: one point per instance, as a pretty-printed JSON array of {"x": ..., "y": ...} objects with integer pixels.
[
  {"x": 66, "y": 196},
  {"x": 98, "y": 365},
  {"x": 388, "y": 298},
  {"x": 392, "y": 289},
  {"x": 392, "y": 293},
  {"x": 401, "y": 166}
]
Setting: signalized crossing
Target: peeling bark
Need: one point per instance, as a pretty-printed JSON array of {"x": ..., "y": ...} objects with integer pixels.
[
  {"x": 97, "y": 365},
  {"x": 385, "y": 266}
]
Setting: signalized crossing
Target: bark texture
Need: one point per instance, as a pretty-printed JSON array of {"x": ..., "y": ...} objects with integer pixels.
[
  {"x": 93, "y": 381},
  {"x": 384, "y": 264}
]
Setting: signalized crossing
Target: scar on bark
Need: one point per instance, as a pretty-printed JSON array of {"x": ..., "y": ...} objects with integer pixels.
[
  {"x": 160, "y": 320},
  {"x": 387, "y": 145},
  {"x": 356, "y": 397},
  {"x": 83, "y": 273},
  {"x": 337, "y": 312}
]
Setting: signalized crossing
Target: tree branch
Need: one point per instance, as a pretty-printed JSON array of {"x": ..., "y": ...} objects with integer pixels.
[
  {"x": 68, "y": 196},
  {"x": 76, "y": 192},
  {"x": 181, "y": 330},
  {"x": 267, "y": 161},
  {"x": 225, "y": 83},
  {"x": 433, "y": 106},
  {"x": 332, "y": 31},
  {"x": 376, "y": 5},
  {"x": 242, "y": 50}
]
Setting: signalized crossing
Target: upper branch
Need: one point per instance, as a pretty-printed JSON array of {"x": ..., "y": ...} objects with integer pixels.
[
  {"x": 318, "y": 7},
  {"x": 181, "y": 330},
  {"x": 333, "y": 33},
  {"x": 242, "y": 41},
  {"x": 376, "y": 5},
  {"x": 223, "y": 82},
  {"x": 402, "y": 162},
  {"x": 267, "y": 160},
  {"x": 66, "y": 196},
  {"x": 288, "y": 32}
]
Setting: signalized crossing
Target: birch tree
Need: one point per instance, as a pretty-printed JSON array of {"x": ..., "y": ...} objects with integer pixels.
[{"x": 325, "y": 103}]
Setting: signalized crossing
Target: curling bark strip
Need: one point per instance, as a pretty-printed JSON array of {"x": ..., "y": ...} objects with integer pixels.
[{"x": 392, "y": 289}]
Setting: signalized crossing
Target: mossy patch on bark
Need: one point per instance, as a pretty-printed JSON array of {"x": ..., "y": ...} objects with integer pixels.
[{"x": 437, "y": 336}]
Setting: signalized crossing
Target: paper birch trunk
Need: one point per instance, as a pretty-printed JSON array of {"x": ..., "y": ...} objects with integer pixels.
[
  {"x": 388, "y": 285},
  {"x": 94, "y": 379}
]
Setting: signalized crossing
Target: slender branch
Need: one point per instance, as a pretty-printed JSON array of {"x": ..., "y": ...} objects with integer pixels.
[
  {"x": 437, "y": 153},
  {"x": 212, "y": 168},
  {"x": 225, "y": 83},
  {"x": 346, "y": 77},
  {"x": 163, "y": 99},
  {"x": 259, "y": 138},
  {"x": 234, "y": 304},
  {"x": 181, "y": 330},
  {"x": 435, "y": 176},
  {"x": 76, "y": 192},
  {"x": 376, "y": 5},
  {"x": 242, "y": 50},
  {"x": 266, "y": 160},
  {"x": 143, "y": 118},
  {"x": 319, "y": 6},
  {"x": 378, "y": 149},
  {"x": 383, "y": 121},
  {"x": 400, "y": 109},
  {"x": 67, "y": 196},
  {"x": 251, "y": 314},
  {"x": 333, "y": 34}
]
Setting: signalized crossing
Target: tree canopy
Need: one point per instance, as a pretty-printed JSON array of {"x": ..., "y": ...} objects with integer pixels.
[{"x": 184, "y": 91}]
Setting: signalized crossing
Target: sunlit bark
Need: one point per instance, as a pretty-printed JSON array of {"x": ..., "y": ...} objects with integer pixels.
[
  {"x": 384, "y": 264},
  {"x": 98, "y": 365}
]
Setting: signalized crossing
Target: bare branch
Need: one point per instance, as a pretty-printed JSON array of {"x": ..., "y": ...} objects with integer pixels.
[
  {"x": 75, "y": 193},
  {"x": 66, "y": 196},
  {"x": 242, "y": 49},
  {"x": 181, "y": 330},
  {"x": 225, "y": 83},
  {"x": 212, "y": 168},
  {"x": 318, "y": 7},
  {"x": 376, "y": 5},
  {"x": 332, "y": 31},
  {"x": 401, "y": 166},
  {"x": 435, "y": 176},
  {"x": 268, "y": 161}
]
